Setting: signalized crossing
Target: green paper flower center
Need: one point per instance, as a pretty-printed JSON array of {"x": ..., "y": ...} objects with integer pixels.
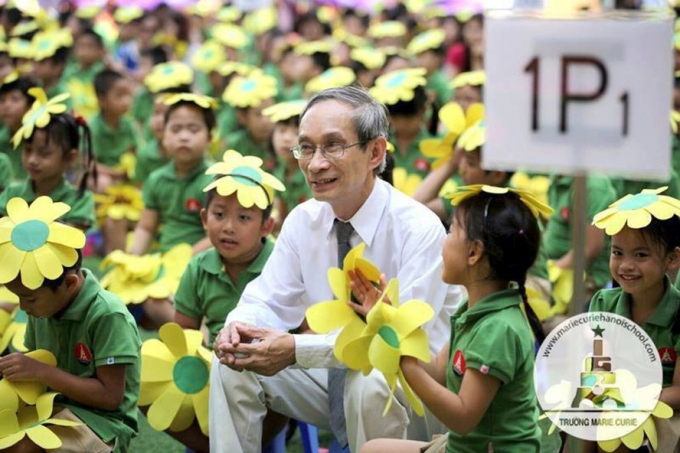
[
  {"x": 248, "y": 85},
  {"x": 168, "y": 70},
  {"x": 396, "y": 80},
  {"x": 30, "y": 235},
  {"x": 638, "y": 201},
  {"x": 389, "y": 336},
  {"x": 20, "y": 317},
  {"x": 247, "y": 176},
  {"x": 190, "y": 375}
]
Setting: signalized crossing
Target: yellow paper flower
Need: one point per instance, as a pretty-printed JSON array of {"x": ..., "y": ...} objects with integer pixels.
[
  {"x": 209, "y": 56},
  {"x": 456, "y": 121},
  {"x": 527, "y": 198},
  {"x": 126, "y": 14},
  {"x": 204, "y": 102},
  {"x": 472, "y": 78},
  {"x": 387, "y": 29},
  {"x": 40, "y": 113},
  {"x": 244, "y": 175},
  {"x": 120, "y": 202},
  {"x": 230, "y": 35},
  {"x": 137, "y": 278},
  {"x": 23, "y": 28},
  {"x": 636, "y": 211},
  {"x": 325, "y": 317},
  {"x": 88, "y": 12},
  {"x": 284, "y": 110},
  {"x": 11, "y": 392},
  {"x": 84, "y": 99},
  {"x": 538, "y": 185},
  {"x": 369, "y": 57},
  {"x": 45, "y": 44},
  {"x": 406, "y": 182},
  {"x": 11, "y": 77},
  {"x": 20, "y": 48},
  {"x": 398, "y": 85},
  {"x": 33, "y": 244},
  {"x": 675, "y": 119},
  {"x": 229, "y": 13},
  {"x": 15, "y": 330},
  {"x": 339, "y": 76},
  {"x": 433, "y": 12},
  {"x": 234, "y": 67},
  {"x": 355, "y": 42},
  {"x": 251, "y": 91},
  {"x": 260, "y": 21},
  {"x": 175, "y": 379},
  {"x": 312, "y": 47},
  {"x": 30, "y": 421},
  {"x": 634, "y": 439},
  {"x": 562, "y": 281},
  {"x": 169, "y": 75},
  {"x": 473, "y": 137},
  {"x": 427, "y": 40},
  {"x": 391, "y": 332}
]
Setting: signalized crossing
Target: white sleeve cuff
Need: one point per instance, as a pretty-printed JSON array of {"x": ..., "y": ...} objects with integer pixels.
[{"x": 316, "y": 351}]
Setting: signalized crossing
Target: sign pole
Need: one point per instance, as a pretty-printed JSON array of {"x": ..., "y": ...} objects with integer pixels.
[{"x": 579, "y": 226}]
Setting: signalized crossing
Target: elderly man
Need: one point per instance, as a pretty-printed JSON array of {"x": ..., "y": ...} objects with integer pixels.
[{"x": 341, "y": 151}]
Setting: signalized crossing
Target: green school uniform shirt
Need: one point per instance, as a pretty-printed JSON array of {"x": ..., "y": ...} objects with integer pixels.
[
  {"x": 675, "y": 153},
  {"x": 14, "y": 154},
  {"x": 95, "y": 330},
  {"x": 206, "y": 290},
  {"x": 82, "y": 211},
  {"x": 149, "y": 160},
  {"x": 494, "y": 338},
  {"x": 413, "y": 160},
  {"x": 291, "y": 93},
  {"x": 438, "y": 83},
  {"x": 242, "y": 141},
  {"x": 557, "y": 237},
  {"x": 109, "y": 143},
  {"x": 624, "y": 187},
  {"x": 227, "y": 123},
  {"x": 142, "y": 110},
  {"x": 658, "y": 326},
  {"x": 178, "y": 202},
  {"x": 6, "y": 173},
  {"x": 297, "y": 190}
]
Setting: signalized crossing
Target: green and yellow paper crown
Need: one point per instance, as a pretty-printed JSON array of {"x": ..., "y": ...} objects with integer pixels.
[
  {"x": 285, "y": 110},
  {"x": 536, "y": 206},
  {"x": 203, "y": 101},
  {"x": 46, "y": 43},
  {"x": 456, "y": 121},
  {"x": 637, "y": 211},
  {"x": 20, "y": 48},
  {"x": 236, "y": 67},
  {"x": 40, "y": 113},
  {"x": 33, "y": 244},
  {"x": 169, "y": 75},
  {"x": 230, "y": 35},
  {"x": 399, "y": 85},
  {"x": 260, "y": 21},
  {"x": 209, "y": 56},
  {"x": 473, "y": 137},
  {"x": 370, "y": 57},
  {"x": 430, "y": 39},
  {"x": 251, "y": 91},
  {"x": 387, "y": 29},
  {"x": 337, "y": 77},
  {"x": 244, "y": 176},
  {"x": 472, "y": 78},
  {"x": 228, "y": 14},
  {"x": 127, "y": 14},
  {"x": 23, "y": 28},
  {"x": 312, "y": 47}
]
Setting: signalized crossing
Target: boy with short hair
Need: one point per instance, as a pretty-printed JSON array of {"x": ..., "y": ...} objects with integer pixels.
[
  {"x": 50, "y": 58},
  {"x": 88, "y": 329}
]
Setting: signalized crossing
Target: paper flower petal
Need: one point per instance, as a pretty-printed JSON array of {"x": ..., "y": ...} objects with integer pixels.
[
  {"x": 163, "y": 410},
  {"x": 185, "y": 415},
  {"x": 173, "y": 336},
  {"x": 43, "y": 437},
  {"x": 201, "y": 403}
]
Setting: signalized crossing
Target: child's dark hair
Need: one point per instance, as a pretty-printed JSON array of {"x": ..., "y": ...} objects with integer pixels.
[
  {"x": 412, "y": 107},
  {"x": 322, "y": 60},
  {"x": 56, "y": 283},
  {"x": 22, "y": 84},
  {"x": 511, "y": 237},
  {"x": 104, "y": 81},
  {"x": 157, "y": 54},
  {"x": 266, "y": 213},
  {"x": 60, "y": 56},
  {"x": 363, "y": 18},
  {"x": 97, "y": 37},
  {"x": 70, "y": 132},
  {"x": 208, "y": 114}
]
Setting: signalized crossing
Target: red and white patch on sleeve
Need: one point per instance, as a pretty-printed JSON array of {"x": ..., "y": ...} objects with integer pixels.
[
  {"x": 668, "y": 356},
  {"x": 484, "y": 369},
  {"x": 458, "y": 363},
  {"x": 83, "y": 354}
]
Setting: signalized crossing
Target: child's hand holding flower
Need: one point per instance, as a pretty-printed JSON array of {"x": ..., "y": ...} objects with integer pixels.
[{"x": 365, "y": 292}]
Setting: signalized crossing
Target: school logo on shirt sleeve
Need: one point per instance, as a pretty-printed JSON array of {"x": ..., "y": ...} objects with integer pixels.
[
  {"x": 458, "y": 363},
  {"x": 83, "y": 354},
  {"x": 668, "y": 356},
  {"x": 193, "y": 205}
]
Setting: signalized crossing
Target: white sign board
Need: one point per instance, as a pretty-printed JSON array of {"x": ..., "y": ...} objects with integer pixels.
[{"x": 591, "y": 94}]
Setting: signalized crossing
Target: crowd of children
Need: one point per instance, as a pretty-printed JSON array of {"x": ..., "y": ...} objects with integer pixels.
[{"x": 161, "y": 139}]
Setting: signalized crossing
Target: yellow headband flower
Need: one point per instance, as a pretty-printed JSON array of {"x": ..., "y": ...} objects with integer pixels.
[
  {"x": 339, "y": 76},
  {"x": 340, "y": 34},
  {"x": 46, "y": 44},
  {"x": 20, "y": 48},
  {"x": 9, "y": 78},
  {"x": 637, "y": 211},
  {"x": 369, "y": 57},
  {"x": 209, "y": 56},
  {"x": 169, "y": 75},
  {"x": 284, "y": 110},
  {"x": 40, "y": 113},
  {"x": 243, "y": 175},
  {"x": 398, "y": 85},
  {"x": 675, "y": 119},
  {"x": 260, "y": 21},
  {"x": 88, "y": 12},
  {"x": 474, "y": 137},
  {"x": 312, "y": 47},
  {"x": 205, "y": 102},
  {"x": 431, "y": 39},
  {"x": 472, "y": 78},
  {"x": 251, "y": 91},
  {"x": 23, "y": 28},
  {"x": 126, "y": 14},
  {"x": 234, "y": 67},
  {"x": 230, "y": 35},
  {"x": 228, "y": 14},
  {"x": 456, "y": 122},
  {"x": 387, "y": 29},
  {"x": 34, "y": 245},
  {"x": 533, "y": 203}
]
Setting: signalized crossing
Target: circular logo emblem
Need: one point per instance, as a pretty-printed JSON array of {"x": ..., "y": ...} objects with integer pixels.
[{"x": 598, "y": 376}]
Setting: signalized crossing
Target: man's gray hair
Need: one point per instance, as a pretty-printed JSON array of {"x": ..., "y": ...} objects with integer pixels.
[{"x": 369, "y": 116}]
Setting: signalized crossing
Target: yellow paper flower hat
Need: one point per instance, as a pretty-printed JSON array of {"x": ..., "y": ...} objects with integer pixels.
[
  {"x": 387, "y": 29},
  {"x": 370, "y": 57},
  {"x": 312, "y": 47},
  {"x": 45, "y": 44},
  {"x": 537, "y": 207},
  {"x": 244, "y": 175},
  {"x": 430, "y": 39},
  {"x": 473, "y": 137},
  {"x": 229, "y": 13},
  {"x": 126, "y": 14},
  {"x": 472, "y": 78},
  {"x": 33, "y": 244},
  {"x": 39, "y": 114},
  {"x": 209, "y": 56},
  {"x": 20, "y": 48},
  {"x": 251, "y": 91},
  {"x": 204, "y": 102},
  {"x": 169, "y": 75},
  {"x": 284, "y": 111},
  {"x": 398, "y": 85},
  {"x": 260, "y": 21},
  {"x": 637, "y": 211},
  {"x": 339, "y": 76},
  {"x": 236, "y": 67},
  {"x": 230, "y": 35}
]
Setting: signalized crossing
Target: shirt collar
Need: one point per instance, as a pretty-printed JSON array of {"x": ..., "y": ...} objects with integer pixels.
[
  {"x": 58, "y": 193},
  {"x": 87, "y": 294},
  {"x": 495, "y": 302},
  {"x": 168, "y": 170},
  {"x": 212, "y": 263}
]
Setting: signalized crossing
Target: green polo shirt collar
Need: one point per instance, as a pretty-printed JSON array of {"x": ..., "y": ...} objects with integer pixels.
[
  {"x": 168, "y": 170},
  {"x": 664, "y": 313},
  {"x": 61, "y": 192},
  {"x": 77, "y": 310},
  {"x": 212, "y": 263},
  {"x": 495, "y": 302}
]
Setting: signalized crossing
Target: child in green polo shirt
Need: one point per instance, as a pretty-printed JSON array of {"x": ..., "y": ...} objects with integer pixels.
[
  {"x": 89, "y": 52},
  {"x": 114, "y": 133},
  {"x": 88, "y": 330},
  {"x": 645, "y": 249},
  {"x": 51, "y": 56},
  {"x": 429, "y": 51},
  {"x": 47, "y": 154},
  {"x": 15, "y": 101},
  {"x": 493, "y": 242},
  {"x": 152, "y": 155}
]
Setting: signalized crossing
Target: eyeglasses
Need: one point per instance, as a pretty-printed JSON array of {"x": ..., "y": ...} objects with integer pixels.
[{"x": 329, "y": 151}]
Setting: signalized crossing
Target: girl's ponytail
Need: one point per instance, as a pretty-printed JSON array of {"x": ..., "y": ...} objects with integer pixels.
[
  {"x": 534, "y": 322},
  {"x": 89, "y": 160}
]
